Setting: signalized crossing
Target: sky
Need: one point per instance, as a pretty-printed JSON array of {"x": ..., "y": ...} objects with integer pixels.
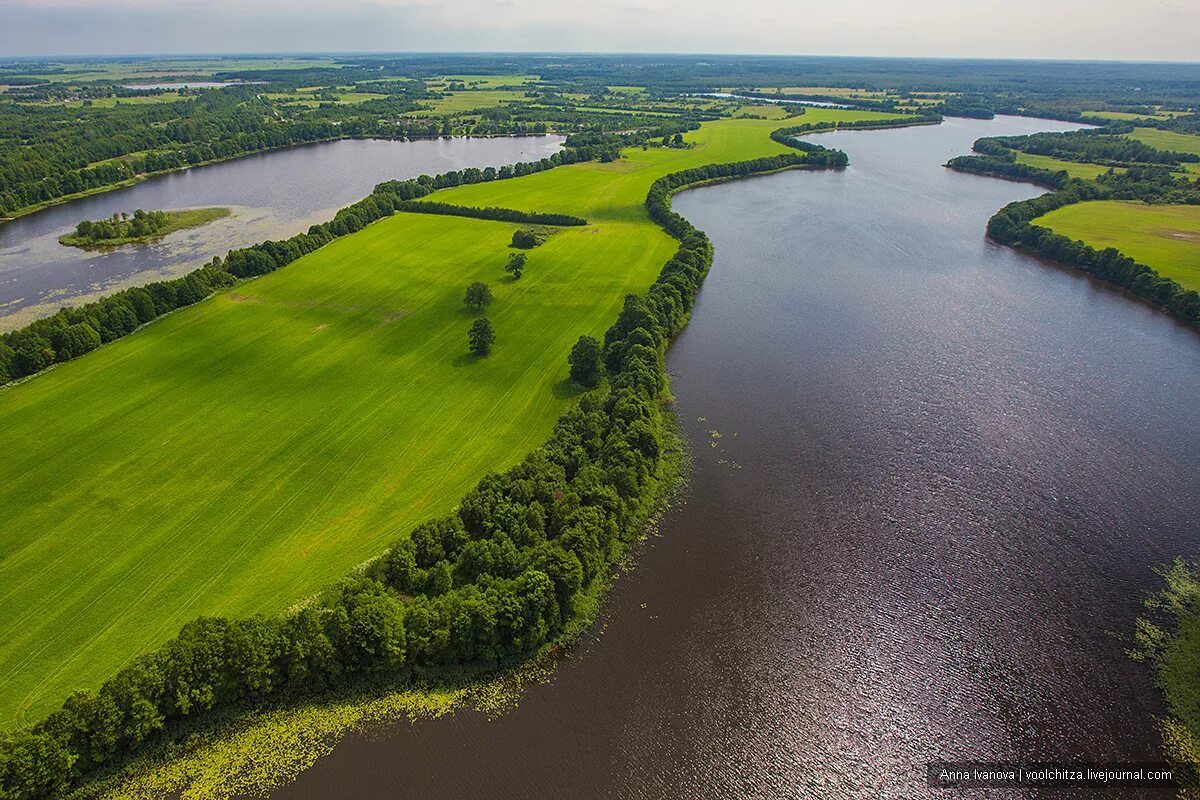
[{"x": 1158, "y": 30}]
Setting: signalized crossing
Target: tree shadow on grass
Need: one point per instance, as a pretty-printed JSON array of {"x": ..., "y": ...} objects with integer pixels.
[
  {"x": 466, "y": 359},
  {"x": 566, "y": 389}
]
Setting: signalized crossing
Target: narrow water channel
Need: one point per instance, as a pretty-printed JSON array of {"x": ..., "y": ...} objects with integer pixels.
[
  {"x": 932, "y": 477},
  {"x": 272, "y": 195}
]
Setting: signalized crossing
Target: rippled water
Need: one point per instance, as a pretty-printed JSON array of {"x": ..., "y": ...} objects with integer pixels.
[
  {"x": 273, "y": 195},
  {"x": 932, "y": 478}
]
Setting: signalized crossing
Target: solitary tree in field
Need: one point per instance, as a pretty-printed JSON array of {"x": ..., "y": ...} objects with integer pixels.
[
  {"x": 585, "y": 361},
  {"x": 478, "y": 295},
  {"x": 481, "y": 336},
  {"x": 526, "y": 238},
  {"x": 516, "y": 263}
]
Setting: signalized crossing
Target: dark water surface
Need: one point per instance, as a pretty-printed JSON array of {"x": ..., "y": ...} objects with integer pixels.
[
  {"x": 273, "y": 195},
  {"x": 932, "y": 478}
]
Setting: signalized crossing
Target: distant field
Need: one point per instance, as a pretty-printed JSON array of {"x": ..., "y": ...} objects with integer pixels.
[
  {"x": 1168, "y": 140},
  {"x": 165, "y": 69},
  {"x": 828, "y": 91},
  {"x": 471, "y": 100},
  {"x": 237, "y": 455},
  {"x": 483, "y": 81},
  {"x": 775, "y": 111},
  {"x": 308, "y": 98},
  {"x": 1122, "y": 115},
  {"x": 109, "y": 102},
  {"x": 1074, "y": 169},
  {"x": 1166, "y": 238}
]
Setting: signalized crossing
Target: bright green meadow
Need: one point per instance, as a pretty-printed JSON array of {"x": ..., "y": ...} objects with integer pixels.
[
  {"x": 237, "y": 455},
  {"x": 1073, "y": 168},
  {"x": 1165, "y": 237}
]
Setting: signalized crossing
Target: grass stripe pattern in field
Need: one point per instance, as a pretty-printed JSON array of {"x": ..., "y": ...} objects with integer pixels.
[{"x": 237, "y": 455}]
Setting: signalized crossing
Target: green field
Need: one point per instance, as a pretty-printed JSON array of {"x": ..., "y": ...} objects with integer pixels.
[
  {"x": 470, "y": 100},
  {"x": 1073, "y": 168},
  {"x": 1168, "y": 140},
  {"x": 1166, "y": 238},
  {"x": 483, "y": 81},
  {"x": 237, "y": 455},
  {"x": 162, "y": 70},
  {"x": 1126, "y": 116},
  {"x": 307, "y": 97}
]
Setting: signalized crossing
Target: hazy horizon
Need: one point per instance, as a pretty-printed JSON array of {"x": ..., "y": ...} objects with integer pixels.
[{"x": 1091, "y": 30}]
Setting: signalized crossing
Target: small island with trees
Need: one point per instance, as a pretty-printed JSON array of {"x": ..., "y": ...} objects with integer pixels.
[{"x": 138, "y": 228}]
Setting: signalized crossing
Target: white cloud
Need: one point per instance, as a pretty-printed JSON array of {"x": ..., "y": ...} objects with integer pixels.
[{"x": 970, "y": 28}]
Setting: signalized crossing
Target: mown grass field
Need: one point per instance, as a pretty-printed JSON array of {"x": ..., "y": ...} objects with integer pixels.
[
  {"x": 1164, "y": 237},
  {"x": 483, "y": 81},
  {"x": 1073, "y": 168},
  {"x": 470, "y": 100},
  {"x": 1175, "y": 142},
  {"x": 1126, "y": 116},
  {"x": 1168, "y": 140},
  {"x": 237, "y": 455}
]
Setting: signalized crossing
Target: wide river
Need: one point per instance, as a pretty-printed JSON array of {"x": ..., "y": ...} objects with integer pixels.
[
  {"x": 932, "y": 479},
  {"x": 273, "y": 195}
]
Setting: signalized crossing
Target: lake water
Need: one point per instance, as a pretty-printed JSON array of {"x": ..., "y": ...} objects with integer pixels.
[
  {"x": 188, "y": 85},
  {"x": 932, "y": 477},
  {"x": 273, "y": 195},
  {"x": 816, "y": 103}
]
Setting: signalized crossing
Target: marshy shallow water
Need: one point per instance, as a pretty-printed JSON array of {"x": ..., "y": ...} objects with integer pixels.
[{"x": 273, "y": 195}]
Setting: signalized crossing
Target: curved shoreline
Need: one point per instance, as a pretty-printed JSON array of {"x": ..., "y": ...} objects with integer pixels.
[
  {"x": 1013, "y": 226},
  {"x": 144, "y": 176},
  {"x": 694, "y": 254}
]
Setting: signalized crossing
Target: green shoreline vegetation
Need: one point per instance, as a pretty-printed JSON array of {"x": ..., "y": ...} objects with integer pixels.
[
  {"x": 1120, "y": 209},
  {"x": 139, "y": 228},
  {"x": 255, "y": 751},
  {"x": 1167, "y": 638},
  {"x": 545, "y": 572},
  {"x": 1164, "y": 237}
]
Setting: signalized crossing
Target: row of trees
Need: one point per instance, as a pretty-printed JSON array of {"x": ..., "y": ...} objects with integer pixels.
[
  {"x": 491, "y": 212},
  {"x": 74, "y": 331},
  {"x": 494, "y": 581},
  {"x": 1012, "y": 225},
  {"x": 1007, "y": 166},
  {"x": 786, "y": 135},
  {"x": 53, "y": 152},
  {"x": 48, "y": 152},
  {"x": 1098, "y": 146}
]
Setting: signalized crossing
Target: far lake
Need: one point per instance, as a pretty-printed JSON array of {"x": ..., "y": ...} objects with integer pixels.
[{"x": 273, "y": 195}]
